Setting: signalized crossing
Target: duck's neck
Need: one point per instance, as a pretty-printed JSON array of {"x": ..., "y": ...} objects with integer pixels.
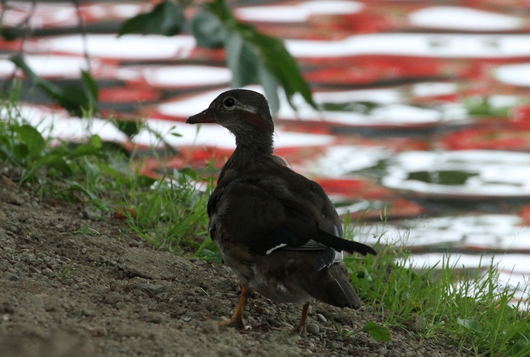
[
  {"x": 250, "y": 157},
  {"x": 254, "y": 145},
  {"x": 249, "y": 153}
]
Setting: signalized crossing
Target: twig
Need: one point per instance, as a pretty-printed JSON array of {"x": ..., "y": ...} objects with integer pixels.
[
  {"x": 82, "y": 29},
  {"x": 27, "y": 32}
]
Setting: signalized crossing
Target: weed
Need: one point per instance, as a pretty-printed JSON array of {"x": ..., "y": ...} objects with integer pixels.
[
  {"x": 169, "y": 212},
  {"x": 85, "y": 230},
  {"x": 377, "y": 332}
]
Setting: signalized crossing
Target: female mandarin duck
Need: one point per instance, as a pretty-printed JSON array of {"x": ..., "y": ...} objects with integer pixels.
[{"x": 277, "y": 230}]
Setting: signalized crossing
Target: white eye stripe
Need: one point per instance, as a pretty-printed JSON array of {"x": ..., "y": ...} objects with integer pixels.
[{"x": 247, "y": 108}]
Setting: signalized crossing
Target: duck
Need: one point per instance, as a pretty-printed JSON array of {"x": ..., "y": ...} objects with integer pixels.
[{"x": 276, "y": 230}]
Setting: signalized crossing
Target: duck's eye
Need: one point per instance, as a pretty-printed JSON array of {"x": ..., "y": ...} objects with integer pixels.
[{"x": 229, "y": 102}]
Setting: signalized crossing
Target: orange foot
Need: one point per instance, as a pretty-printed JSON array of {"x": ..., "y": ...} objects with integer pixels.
[
  {"x": 238, "y": 323},
  {"x": 237, "y": 319},
  {"x": 302, "y": 326}
]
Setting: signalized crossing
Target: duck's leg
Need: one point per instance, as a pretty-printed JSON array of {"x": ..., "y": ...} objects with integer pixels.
[
  {"x": 302, "y": 326},
  {"x": 237, "y": 319}
]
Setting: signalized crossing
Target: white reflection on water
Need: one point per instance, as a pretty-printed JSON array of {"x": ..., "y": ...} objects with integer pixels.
[
  {"x": 468, "y": 233},
  {"x": 514, "y": 74},
  {"x": 492, "y": 173},
  {"x": 478, "y": 232},
  {"x": 50, "y": 66},
  {"x": 176, "y": 76},
  {"x": 127, "y": 47},
  {"x": 297, "y": 12},
  {"x": 339, "y": 160},
  {"x": 461, "y": 18},
  {"x": 417, "y": 44}
]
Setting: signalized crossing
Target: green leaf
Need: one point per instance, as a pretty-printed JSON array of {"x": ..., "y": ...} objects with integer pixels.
[
  {"x": 8, "y": 34},
  {"x": 210, "y": 255},
  {"x": 137, "y": 24},
  {"x": 21, "y": 151},
  {"x": 58, "y": 163},
  {"x": 32, "y": 138},
  {"x": 145, "y": 181},
  {"x": 270, "y": 86},
  {"x": 208, "y": 30},
  {"x": 167, "y": 19},
  {"x": 378, "y": 333},
  {"x": 470, "y": 324},
  {"x": 129, "y": 128},
  {"x": 282, "y": 66},
  {"x": 96, "y": 141},
  {"x": 241, "y": 60},
  {"x": 74, "y": 186},
  {"x": 276, "y": 59},
  {"x": 91, "y": 86},
  {"x": 75, "y": 100},
  {"x": 86, "y": 150}
]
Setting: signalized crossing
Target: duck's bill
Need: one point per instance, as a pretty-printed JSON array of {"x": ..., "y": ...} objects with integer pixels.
[{"x": 203, "y": 117}]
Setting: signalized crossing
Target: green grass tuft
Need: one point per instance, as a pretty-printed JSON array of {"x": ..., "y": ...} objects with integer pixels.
[
  {"x": 169, "y": 212},
  {"x": 474, "y": 312}
]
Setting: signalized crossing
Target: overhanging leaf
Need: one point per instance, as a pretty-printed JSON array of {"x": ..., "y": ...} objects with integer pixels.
[
  {"x": 275, "y": 57},
  {"x": 75, "y": 100},
  {"x": 241, "y": 60},
  {"x": 208, "y": 31},
  {"x": 8, "y": 34},
  {"x": 167, "y": 19},
  {"x": 270, "y": 86}
]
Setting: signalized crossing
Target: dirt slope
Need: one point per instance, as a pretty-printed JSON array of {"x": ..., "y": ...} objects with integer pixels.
[{"x": 109, "y": 294}]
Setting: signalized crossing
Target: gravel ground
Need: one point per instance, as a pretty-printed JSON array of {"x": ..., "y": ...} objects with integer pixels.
[{"x": 109, "y": 294}]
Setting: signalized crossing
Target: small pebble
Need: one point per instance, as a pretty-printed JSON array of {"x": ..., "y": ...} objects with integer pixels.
[
  {"x": 287, "y": 325},
  {"x": 88, "y": 312},
  {"x": 321, "y": 318},
  {"x": 313, "y": 329},
  {"x": 334, "y": 345},
  {"x": 153, "y": 288},
  {"x": 153, "y": 317},
  {"x": 30, "y": 257},
  {"x": 48, "y": 272}
]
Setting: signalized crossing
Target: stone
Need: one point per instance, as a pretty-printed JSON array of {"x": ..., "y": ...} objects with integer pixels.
[
  {"x": 313, "y": 329},
  {"x": 48, "y": 272},
  {"x": 153, "y": 288}
]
